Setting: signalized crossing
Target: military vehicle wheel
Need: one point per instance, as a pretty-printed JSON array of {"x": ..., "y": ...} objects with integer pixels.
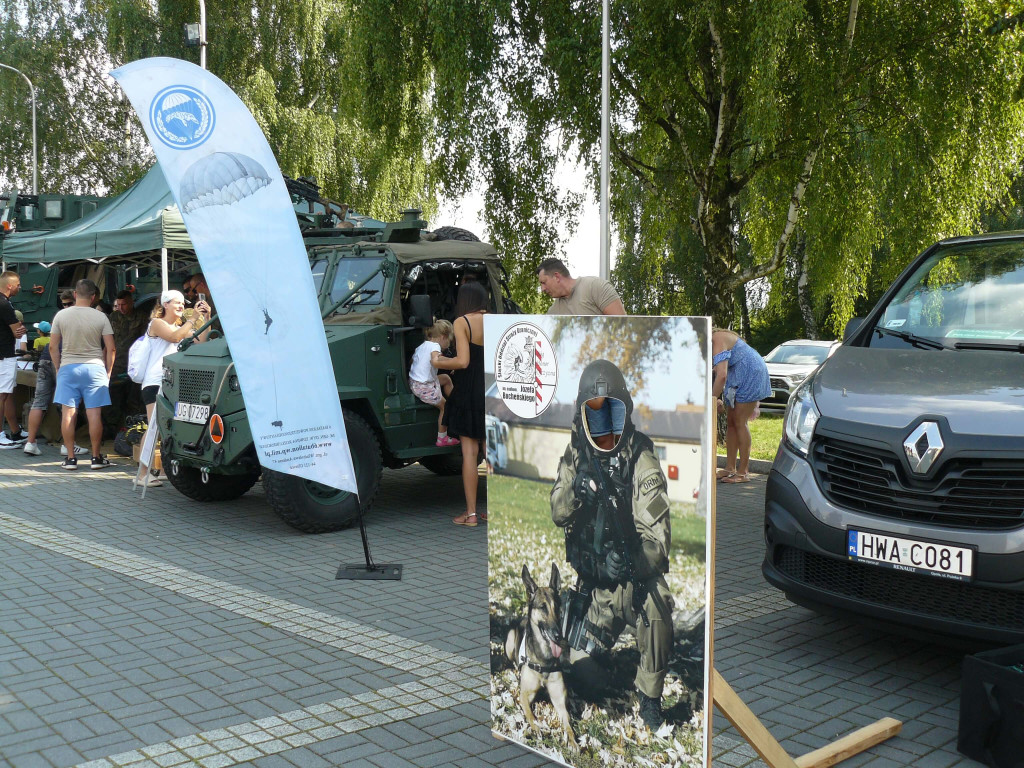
[
  {"x": 314, "y": 508},
  {"x": 443, "y": 464},
  {"x": 455, "y": 233},
  {"x": 189, "y": 481}
]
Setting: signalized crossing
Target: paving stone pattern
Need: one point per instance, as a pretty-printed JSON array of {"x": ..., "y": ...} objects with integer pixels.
[
  {"x": 167, "y": 633},
  {"x": 812, "y": 679}
]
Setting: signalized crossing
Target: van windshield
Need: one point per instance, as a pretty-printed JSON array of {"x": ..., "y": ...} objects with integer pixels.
[{"x": 965, "y": 295}]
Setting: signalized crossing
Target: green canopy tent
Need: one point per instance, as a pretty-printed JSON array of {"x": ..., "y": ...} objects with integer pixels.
[{"x": 142, "y": 226}]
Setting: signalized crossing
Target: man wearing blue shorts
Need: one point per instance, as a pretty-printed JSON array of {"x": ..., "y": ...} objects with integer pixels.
[{"x": 82, "y": 350}]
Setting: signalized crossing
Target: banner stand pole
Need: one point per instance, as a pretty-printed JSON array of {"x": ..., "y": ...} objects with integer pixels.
[{"x": 370, "y": 571}]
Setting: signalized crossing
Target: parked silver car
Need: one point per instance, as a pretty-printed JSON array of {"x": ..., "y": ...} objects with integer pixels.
[
  {"x": 790, "y": 363},
  {"x": 897, "y": 495}
]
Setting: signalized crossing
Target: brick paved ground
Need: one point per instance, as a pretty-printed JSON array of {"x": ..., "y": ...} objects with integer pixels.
[
  {"x": 811, "y": 679},
  {"x": 166, "y": 633}
]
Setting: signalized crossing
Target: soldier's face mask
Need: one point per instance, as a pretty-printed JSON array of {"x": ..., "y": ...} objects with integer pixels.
[{"x": 604, "y": 419}]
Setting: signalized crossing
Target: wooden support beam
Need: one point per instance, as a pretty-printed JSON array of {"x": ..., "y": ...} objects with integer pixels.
[
  {"x": 746, "y": 722},
  {"x": 755, "y": 734},
  {"x": 851, "y": 744}
]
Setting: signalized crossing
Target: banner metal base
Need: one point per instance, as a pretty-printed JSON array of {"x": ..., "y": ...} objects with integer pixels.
[
  {"x": 368, "y": 570},
  {"x": 374, "y": 572}
]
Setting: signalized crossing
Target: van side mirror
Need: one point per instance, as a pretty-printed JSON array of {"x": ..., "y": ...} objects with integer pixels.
[
  {"x": 851, "y": 327},
  {"x": 420, "y": 314}
]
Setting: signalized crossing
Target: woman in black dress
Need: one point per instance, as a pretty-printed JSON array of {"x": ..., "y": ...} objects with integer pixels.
[{"x": 464, "y": 413}]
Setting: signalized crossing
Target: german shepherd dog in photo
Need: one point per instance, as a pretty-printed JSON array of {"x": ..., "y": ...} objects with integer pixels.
[{"x": 535, "y": 647}]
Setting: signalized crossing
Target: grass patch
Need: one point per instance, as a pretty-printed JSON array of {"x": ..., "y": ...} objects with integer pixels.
[{"x": 765, "y": 434}]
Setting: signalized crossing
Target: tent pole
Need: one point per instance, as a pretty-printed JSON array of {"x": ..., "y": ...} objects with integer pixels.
[{"x": 163, "y": 267}]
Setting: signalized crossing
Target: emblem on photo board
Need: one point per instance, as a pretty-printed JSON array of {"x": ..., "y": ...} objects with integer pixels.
[
  {"x": 525, "y": 370},
  {"x": 182, "y": 117}
]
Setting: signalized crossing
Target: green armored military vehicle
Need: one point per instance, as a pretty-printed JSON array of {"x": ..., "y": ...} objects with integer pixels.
[{"x": 378, "y": 289}]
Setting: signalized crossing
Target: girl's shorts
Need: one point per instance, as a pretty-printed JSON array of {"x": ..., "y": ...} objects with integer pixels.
[{"x": 427, "y": 391}]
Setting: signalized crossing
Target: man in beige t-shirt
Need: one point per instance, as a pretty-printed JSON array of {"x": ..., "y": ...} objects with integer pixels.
[
  {"x": 82, "y": 350},
  {"x": 579, "y": 296}
]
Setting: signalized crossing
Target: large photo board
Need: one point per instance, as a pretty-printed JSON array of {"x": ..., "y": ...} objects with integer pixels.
[{"x": 599, "y": 453}]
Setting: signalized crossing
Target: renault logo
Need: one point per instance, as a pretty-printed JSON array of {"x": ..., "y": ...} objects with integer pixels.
[{"x": 923, "y": 446}]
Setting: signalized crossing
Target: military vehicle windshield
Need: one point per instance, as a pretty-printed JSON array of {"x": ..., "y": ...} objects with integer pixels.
[
  {"x": 964, "y": 296},
  {"x": 319, "y": 270},
  {"x": 351, "y": 272}
]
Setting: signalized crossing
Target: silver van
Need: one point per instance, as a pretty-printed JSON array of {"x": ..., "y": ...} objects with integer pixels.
[{"x": 897, "y": 493}]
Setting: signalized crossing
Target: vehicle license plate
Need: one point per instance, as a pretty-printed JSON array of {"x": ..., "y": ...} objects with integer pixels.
[
  {"x": 193, "y": 414},
  {"x": 912, "y": 555}
]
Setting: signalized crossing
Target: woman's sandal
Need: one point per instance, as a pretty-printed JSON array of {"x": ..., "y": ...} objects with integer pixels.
[
  {"x": 469, "y": 520},
  {"x": 481, "y": 516},
  {"x": 724, "y": 473},
  {"x": 737, "y": 478}
]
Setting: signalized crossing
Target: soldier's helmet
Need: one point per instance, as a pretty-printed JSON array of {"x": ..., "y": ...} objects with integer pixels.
[{"x": 602, "y": 378}]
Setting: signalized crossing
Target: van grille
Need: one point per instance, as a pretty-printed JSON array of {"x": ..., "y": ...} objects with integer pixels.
[
  {"x": 910, "y": 592},
  {"x": 192, "y": 384},
  {"x": 966, "y": 492},
  {"x": 780, "y": 384}
]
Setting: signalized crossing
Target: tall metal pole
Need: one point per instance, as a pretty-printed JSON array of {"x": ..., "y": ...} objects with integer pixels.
[
  {"x": 35, "y": 166},
  {"x": 202, "y": 34},
  {"x": 606, "y": 58}
]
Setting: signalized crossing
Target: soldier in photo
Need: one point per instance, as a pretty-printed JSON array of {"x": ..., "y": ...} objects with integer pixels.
[{"x": 611, "y": 498}]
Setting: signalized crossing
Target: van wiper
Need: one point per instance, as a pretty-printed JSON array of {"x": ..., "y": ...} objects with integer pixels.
[
  {"x": 918, "y": 341},
  {"x": 1007, "y": 346}
]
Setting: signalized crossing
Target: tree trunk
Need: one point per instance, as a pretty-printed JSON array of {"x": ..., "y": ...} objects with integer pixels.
[
  {"x": 715, "y": 230},
  {"x": 803, "y": 288},
  {"x": 741, "y": 299},
  {"x": 719, "y": 299}
]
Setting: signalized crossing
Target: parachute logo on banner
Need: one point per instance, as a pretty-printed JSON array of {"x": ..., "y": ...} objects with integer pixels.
[
  {"x": 182, "y": 117},
  {"x": 222, "y": 178}
]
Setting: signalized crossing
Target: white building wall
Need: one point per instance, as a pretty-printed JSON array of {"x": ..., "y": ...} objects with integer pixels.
[{"x": 534, "y": 452}]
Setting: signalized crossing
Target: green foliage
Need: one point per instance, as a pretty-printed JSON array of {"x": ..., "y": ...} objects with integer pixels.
[{"x": 737, "y": 128}]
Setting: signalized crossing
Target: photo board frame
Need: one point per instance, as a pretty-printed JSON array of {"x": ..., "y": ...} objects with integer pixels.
[{"x": 599, "y": 451}]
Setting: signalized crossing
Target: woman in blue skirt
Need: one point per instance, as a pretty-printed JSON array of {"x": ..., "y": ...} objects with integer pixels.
[{"x": 741, "y": 382}]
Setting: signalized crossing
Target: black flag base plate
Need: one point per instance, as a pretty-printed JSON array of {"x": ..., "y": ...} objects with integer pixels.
[
  {"x": 368, "y": 570},
  {"x": 364, "y": 572}
]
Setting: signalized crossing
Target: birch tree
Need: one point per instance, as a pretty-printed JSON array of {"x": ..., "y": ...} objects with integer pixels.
[{"x": 735, "y": 124}]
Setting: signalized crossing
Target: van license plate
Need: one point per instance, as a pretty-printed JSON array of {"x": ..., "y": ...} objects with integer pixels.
[
  {"x": 910, "y": 555},
  {"x": 193, "y": 414}
]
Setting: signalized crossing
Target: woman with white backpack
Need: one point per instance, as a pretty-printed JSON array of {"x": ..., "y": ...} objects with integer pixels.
[{"x": 167, "y": 328}]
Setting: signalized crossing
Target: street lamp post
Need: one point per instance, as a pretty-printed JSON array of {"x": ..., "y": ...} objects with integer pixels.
[
  {"x": 32, "y": 89},
  {"x": 605, "y": 266},
  {"x": 195, "y": 34},
  {"x": 202, "y": 34}
]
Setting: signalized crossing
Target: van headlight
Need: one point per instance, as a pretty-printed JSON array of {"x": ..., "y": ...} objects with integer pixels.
[{"x": 801, "y": 416}]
